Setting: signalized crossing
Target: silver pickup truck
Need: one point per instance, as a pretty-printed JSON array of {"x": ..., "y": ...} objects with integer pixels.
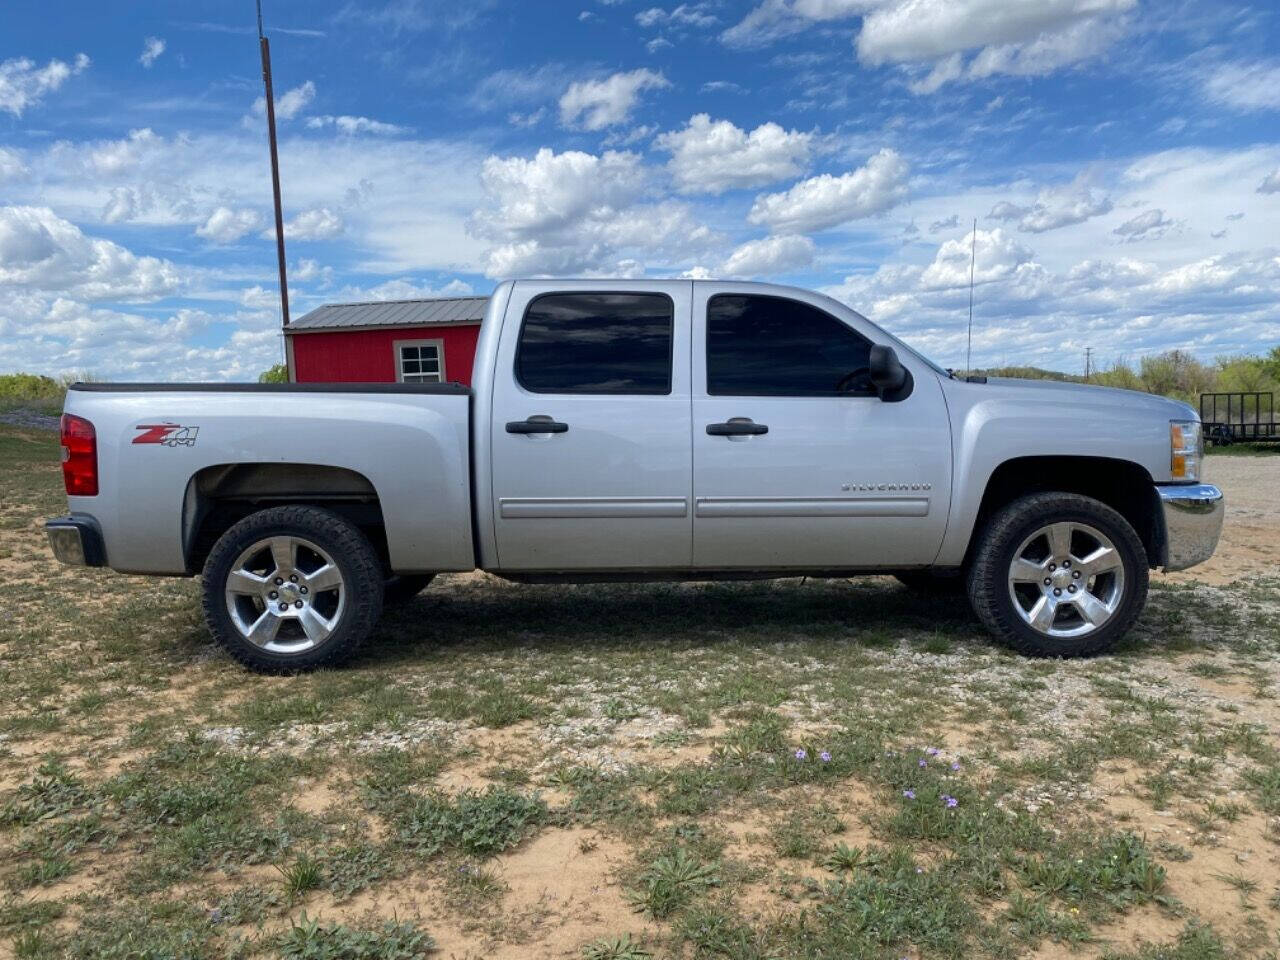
[{"x": 641, "y": 430}]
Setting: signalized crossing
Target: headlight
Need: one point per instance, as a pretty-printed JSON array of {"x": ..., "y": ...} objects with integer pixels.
[{"x": 1186, "y": 449}]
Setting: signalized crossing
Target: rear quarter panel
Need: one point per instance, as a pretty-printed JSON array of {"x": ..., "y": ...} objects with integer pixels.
[{"x": 412, "y": 447}]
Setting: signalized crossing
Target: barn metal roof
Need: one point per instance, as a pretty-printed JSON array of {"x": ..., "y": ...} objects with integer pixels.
[{"x": 393, "y": 313}]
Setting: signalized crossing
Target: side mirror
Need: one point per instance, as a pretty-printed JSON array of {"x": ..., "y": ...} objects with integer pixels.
[{"x": 891, "y": 379}]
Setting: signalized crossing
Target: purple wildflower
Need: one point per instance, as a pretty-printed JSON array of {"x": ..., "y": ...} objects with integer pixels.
[
  {"x": 909, "y": 794},
  {"x": 923, "y": 762},
  {"x": 931, "y": 751},
  {"x": 955, "y": 765},
  {"x": 800, "y": 754},
  {"x": 950, "y": 801},
  {"x": 824, "y": 756}
]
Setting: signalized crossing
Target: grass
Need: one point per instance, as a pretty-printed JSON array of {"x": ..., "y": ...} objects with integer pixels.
[{"x": 733, "y": 769}]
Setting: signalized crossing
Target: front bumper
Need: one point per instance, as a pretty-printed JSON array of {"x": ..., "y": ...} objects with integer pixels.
[
  {"x": 76, "y": 540},
  {"x": 1192, "y": 515}
]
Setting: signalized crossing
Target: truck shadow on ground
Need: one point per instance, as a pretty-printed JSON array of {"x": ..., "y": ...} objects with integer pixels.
[{"x": 496, "y": 616}]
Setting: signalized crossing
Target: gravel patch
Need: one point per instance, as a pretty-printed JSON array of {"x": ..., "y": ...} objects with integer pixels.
[{"x": 29, "y": 419}]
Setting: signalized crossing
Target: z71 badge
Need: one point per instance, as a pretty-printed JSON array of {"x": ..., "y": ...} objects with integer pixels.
[{"x": 166, "y": 434}]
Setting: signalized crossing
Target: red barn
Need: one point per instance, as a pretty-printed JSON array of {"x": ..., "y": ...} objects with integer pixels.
[{"x": 406, "y": 341}]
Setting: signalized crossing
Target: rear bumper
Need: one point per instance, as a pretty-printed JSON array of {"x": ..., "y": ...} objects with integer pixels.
[
  {"x": 1192, "y": 515},
  {"x": 76, "y": 540}
]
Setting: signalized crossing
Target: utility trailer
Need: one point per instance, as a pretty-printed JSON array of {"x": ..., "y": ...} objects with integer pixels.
[{"x": 1239, "y": 417}]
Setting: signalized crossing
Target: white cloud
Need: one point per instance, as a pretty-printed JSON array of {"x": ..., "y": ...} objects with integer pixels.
[
  {"x": 577, "y": 213},
  {"x": 318, "y": 223},
  {"x": 1005, "y": 210},
  {"x": 1063, "y": 206},
  {"x": 11, "y": 165},
  {"x": 905, "y": 31},
  {"x": 114, "y": 156},
  {"x": 775, "y": 19},
  {"x": 402, "y": 289},
  {"x": 41, "y": 251},
  {"x": 596, "y": 104},
  {"x": 686, "y": 14},
  {"x": 152, "y": 47},
  {"x": 290, "y": 103},
  {"x": 1144, "y": 226},
  {"x": 933, "y": 38},
  {"x": 827, "y": 201},
  {"x": 993, "y": 254},
  {"x": 1055, "y": 207},
  {"x": 23, "y": 84},
  {"x": 1270, "y": 183},
  {"x": 769, "y": 255},
  {"x": 351, "y": 126},
  {"x": 711, "y": 157},
  {"x": 947, "y": 223},
  {"x": 227, "y": 226},
  {"x": 1243, "y": 86}
]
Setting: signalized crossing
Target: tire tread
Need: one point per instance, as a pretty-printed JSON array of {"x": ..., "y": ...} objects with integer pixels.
[
  {"x": 344, "y": 542},
  {"x": 988, "y": 585}
]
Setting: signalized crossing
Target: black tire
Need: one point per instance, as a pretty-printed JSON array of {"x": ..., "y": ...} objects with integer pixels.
[
  {"x": 351, "y": 553},
  {"x": 930, "y": 584},
  {"x": 402, "y": 587},
  {"x": 988, "y": 580}
]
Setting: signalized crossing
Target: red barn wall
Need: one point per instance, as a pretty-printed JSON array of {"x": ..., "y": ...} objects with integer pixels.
[{"x": 368, "y": 356}]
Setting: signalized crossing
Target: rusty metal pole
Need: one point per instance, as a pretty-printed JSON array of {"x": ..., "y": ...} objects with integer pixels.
[{"x": 275, "y": 168}]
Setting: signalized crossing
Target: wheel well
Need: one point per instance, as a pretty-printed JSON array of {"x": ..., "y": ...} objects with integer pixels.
[
  {"x": 1122, "y": 485},
  {"x": 220, "y": 496}
]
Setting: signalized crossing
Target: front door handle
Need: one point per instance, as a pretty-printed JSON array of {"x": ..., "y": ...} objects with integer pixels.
[
  {"x": 737, "y": 427},
  {"x": 535, "y": 425}
]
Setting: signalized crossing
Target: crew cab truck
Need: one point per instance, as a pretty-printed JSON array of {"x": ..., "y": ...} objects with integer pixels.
[{"x": 641, "y": 430}]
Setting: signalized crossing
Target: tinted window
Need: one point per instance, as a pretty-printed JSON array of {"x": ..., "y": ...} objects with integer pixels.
[
  {"x": 774, "y": 347},
  {"x": 596, "y": 343}
]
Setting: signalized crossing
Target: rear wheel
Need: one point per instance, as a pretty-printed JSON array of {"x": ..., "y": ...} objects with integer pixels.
[
  {"x": 292, "y": 588},
  {"x": 1058, "y": 575}
]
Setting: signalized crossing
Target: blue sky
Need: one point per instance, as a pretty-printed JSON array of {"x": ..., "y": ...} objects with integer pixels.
[{"x": 1121, "y": 157}]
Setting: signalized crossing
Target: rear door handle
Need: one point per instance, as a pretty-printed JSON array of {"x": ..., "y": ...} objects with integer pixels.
[
  {"x": 737, "y": 427},
  {"x": 534, "y": 425}
]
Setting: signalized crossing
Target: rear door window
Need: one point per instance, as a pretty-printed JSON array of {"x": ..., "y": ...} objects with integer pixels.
[{"x": 604, "y": 343}]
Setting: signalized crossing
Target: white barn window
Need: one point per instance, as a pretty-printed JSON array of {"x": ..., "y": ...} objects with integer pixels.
[{"x": 419, "y": 361}]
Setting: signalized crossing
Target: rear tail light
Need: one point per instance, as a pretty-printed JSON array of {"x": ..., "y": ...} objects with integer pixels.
[{"x": 79, "y": 456}]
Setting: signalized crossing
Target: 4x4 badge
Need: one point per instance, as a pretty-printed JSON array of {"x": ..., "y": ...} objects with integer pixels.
[{"x": 166, "y": 434}]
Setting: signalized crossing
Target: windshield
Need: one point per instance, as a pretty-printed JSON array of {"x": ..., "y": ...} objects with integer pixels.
[{"x": 941, "y": 371}]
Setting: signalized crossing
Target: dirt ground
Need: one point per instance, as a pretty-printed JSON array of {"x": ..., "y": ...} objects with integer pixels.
[{"x": 615, "y": 772}]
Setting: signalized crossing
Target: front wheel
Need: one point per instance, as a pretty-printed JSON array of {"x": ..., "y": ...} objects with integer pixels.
[
  {"x": 1058, "y": 575},
  {"x": 292, "y": 588}
]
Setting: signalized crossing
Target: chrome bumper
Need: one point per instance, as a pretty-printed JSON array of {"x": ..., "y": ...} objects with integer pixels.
[
  {"x": 1192, "y": 523},
  {"x": 77, "y": 541}
]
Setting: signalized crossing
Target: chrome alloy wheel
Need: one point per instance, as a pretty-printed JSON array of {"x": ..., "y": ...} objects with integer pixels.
[
  {"x": 1066, "y": 579},
  {"x": 285, "y": 594}
]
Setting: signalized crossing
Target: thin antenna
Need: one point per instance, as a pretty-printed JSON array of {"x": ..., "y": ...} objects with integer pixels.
[
  {"x": 973, "y": 259},
  {"x": 1088, "y": 363},
  {"x": 265, "y": 47}
]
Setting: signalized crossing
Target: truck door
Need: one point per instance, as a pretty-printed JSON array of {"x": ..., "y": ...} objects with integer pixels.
[
  {"x": 590, "y": 428},
  {"x": 797, "y": 463}
]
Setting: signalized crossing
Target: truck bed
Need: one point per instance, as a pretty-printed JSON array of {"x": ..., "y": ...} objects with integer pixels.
[{"x": 170, "y": 453}]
